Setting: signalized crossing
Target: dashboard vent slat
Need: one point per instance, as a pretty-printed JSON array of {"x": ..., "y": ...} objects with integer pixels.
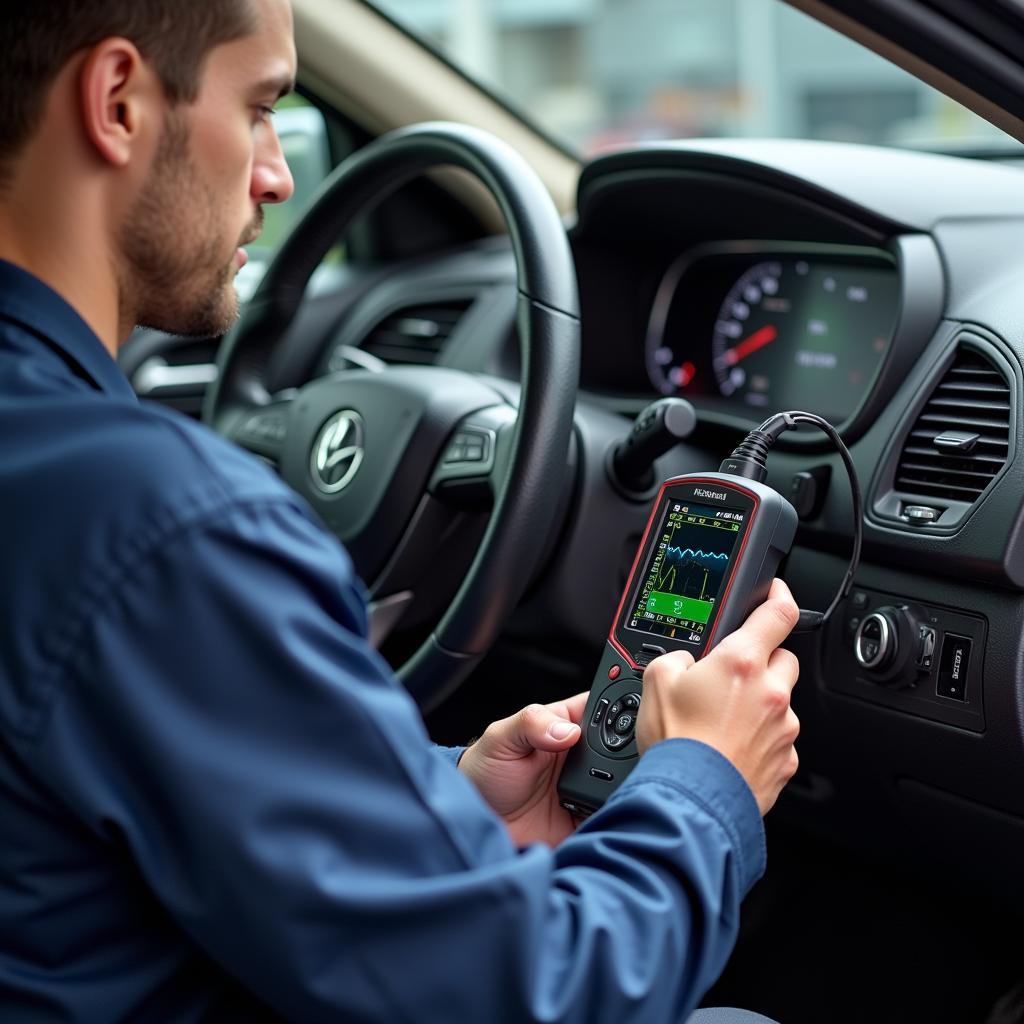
[
  {"x": 415, "y": 334},
  {"x": 972, "y": 395},
  {"x": 976, "y": 403},
  {"x": 913, "y": 451},
  {"x": 970, "y": 388},
  {"x": 947, "y": 420}
]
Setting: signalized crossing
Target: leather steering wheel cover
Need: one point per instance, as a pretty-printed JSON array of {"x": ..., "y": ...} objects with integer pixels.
[{"x": 549, "y": 331}]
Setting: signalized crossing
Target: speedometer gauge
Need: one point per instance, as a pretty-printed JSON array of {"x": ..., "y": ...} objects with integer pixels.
[
  {"x": 803, "y": 334},
  {"x": 748, "y": 322}
]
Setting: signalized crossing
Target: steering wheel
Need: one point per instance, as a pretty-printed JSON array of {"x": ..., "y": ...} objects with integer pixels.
[{"x": 375, "y": 453}]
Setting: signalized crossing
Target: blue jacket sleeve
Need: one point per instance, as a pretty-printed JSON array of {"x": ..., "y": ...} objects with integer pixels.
[
  {"x": 452, "y": 754},
  {"x": 278, "y": 792}
]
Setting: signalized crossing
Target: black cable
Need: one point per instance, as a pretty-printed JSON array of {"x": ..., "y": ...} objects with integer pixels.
[{"x": 749, "y": 460}]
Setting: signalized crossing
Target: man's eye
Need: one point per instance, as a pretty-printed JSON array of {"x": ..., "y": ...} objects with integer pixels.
[{"x": 264, "y": 114}]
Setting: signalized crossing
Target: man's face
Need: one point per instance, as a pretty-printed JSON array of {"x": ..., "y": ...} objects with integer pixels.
[{"x": 217, "y": 162}]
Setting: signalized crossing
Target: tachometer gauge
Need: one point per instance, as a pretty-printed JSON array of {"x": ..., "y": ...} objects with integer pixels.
[{"x": 750, "y": 320}]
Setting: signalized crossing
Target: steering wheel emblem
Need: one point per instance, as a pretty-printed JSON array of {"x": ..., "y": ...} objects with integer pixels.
[{"x": 338, "y": 451}]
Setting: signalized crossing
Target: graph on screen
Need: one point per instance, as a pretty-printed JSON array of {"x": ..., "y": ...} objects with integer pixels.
[{"x": 686, "y": 572}]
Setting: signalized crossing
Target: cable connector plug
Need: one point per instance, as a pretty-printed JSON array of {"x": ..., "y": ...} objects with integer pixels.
[
  {"x": 809, "y": 621},
  {"x": 749, "y": 458},
  {"x": 760, "y": 441}
]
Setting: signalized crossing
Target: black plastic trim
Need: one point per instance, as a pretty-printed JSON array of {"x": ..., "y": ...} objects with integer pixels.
[
  {"x": 986, "y": 61},
  {"x": 883, "y": 484}
]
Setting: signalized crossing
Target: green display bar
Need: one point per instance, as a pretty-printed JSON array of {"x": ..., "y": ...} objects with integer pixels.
[{"x": 679, "y": 607}]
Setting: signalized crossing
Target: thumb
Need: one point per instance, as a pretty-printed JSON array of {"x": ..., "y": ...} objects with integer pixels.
[{"x": 537, "y": 727}]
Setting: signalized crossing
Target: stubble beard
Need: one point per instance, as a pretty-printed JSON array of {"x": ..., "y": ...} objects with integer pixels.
[{"x": 173, "y": 276}]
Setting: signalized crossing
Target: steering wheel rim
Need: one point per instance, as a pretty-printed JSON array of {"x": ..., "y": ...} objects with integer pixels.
[{"x": 528, "y": 498}]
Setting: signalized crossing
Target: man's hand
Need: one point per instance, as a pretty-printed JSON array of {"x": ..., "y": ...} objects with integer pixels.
[
  {"x": 516, "y": 764},
  {"x": 735, "y": 700}
]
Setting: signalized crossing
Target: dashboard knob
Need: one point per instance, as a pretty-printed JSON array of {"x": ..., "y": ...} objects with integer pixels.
[{"x": 875, "y": 644}]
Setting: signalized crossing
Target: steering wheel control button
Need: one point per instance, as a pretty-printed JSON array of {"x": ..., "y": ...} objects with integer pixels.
[
  {"x": 954, "y": 663},
  {"x": 614, "y": 672},
  {"x": 631, "y": 702},
  {"x": 614, "y": 741},
  {"x": 599, "y": 773},
  {"x": 468, "y": 446},
  {"x": 269, "y": 427},
  {"x": 859, "y": 601},
  {"x": 599, "y": 712},
  {"x": 875, "y": 641}
]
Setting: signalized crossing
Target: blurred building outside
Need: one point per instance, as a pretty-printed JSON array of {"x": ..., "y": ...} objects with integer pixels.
[{"x": 604, "y": 72}]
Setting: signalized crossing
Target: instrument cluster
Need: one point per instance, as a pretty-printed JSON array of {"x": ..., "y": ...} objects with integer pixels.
[{"x": 753, "y": 329}]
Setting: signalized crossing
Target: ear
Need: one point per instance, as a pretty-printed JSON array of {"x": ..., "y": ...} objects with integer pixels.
[{"x": 117, "y": 96}]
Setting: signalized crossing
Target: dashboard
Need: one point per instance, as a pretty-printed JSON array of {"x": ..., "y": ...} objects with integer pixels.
[{"x": 873, "y": 288}]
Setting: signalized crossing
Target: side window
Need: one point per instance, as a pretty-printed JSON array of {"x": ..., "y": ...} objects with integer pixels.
[{"x": 303, "y": 134}]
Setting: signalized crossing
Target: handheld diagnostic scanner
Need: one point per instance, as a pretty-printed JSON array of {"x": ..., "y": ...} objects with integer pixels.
[{"x": 711, "y": 549}]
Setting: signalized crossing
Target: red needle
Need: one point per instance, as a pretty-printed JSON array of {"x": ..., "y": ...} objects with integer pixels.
[{"x": 764, "y": 336}]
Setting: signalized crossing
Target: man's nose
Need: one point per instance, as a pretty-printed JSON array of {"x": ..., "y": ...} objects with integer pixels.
[{"x": 271, "y": 178}]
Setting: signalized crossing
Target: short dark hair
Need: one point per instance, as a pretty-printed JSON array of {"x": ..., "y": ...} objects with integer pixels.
[{"x": 39, "y": 37}]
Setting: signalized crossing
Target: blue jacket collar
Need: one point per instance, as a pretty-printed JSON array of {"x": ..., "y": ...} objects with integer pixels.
[{"x": 29, "y": 302}]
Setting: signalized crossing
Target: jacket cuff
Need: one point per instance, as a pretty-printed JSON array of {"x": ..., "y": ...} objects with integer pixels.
[
  {"x": 709, "y": 779},
  {"x": 451, "y": 754}
]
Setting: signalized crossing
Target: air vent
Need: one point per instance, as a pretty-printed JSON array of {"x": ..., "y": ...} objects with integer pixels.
[
  {"x": 415, "y": 334},
  {"x": 177, "y": 372},
  {"x": 961, "y": 440}
]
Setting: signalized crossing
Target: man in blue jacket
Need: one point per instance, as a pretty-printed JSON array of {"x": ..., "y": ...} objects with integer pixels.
[{"x": 217, "y": 802}]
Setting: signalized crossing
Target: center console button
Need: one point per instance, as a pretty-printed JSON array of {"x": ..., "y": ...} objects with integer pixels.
[
  {"x": 875, "y": 642},
  {"x": 954, "y": 663},
  {"x": 926, "y": 646}
]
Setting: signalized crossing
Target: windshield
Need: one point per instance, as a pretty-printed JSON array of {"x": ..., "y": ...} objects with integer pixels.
[{"x": 597, "y": 73}]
